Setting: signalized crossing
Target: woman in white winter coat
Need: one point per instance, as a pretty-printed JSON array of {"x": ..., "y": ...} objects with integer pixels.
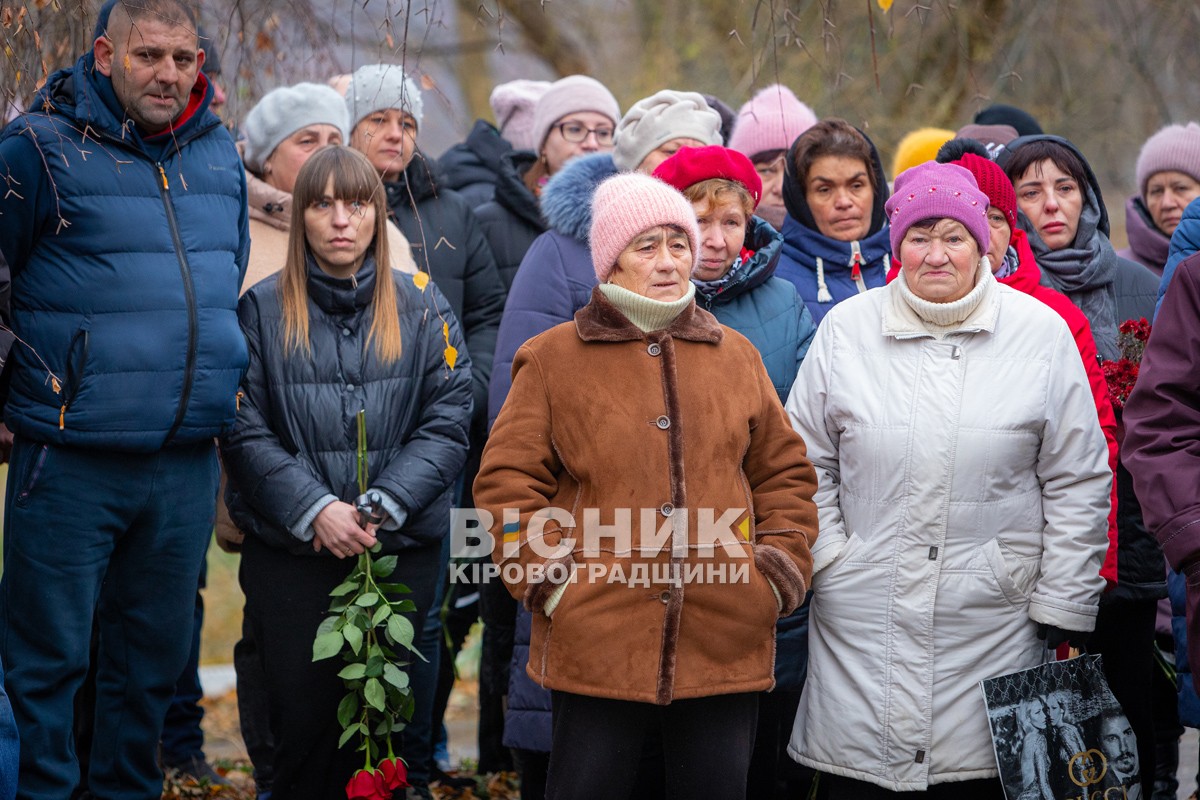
[{"x": 963, "y": 495}]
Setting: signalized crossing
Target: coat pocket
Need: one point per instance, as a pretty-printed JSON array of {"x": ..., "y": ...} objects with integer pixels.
[
  {"x": 32, "y": 473},
  {"x": 1013, "y": 574}
]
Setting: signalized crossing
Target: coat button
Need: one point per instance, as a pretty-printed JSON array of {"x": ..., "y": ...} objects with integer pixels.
[
  {"x": 663, "y": 422},
  {"x": 346, "y": 332},
  {"x": 667, "y": 509},
  {"x": 349, "y": 387},
  {"x": 665, "y": 597},
  {"x": 654, "y": 349}
]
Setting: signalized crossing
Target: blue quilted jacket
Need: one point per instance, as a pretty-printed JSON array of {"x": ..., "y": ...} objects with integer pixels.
[
  {"x": 126, "y": 257},
  {"x": 765, "y": 309}
]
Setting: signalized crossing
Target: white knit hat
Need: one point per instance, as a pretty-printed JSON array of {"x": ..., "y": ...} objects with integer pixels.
[
  {"x": 286, "y": 110},
  {"x": 653, "y": 121},
  {"x": 378, "y": 87}
]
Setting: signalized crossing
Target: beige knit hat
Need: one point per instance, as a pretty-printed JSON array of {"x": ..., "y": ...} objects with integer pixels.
[{"x": 656, "y": 120}]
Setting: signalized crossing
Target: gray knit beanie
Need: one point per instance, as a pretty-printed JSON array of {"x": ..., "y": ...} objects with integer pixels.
[
  {"x": 570, "y": 95},
  {"x": 286, "y": 110},
  {"x": 378, "y": 87},
  {"x": 656, "y": 120}
]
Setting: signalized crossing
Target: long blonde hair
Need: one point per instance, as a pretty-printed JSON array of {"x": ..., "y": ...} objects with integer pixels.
[{"x": 354, "y": 179}]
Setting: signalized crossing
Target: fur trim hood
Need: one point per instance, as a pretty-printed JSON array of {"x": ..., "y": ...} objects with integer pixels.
[{"x": 567, "y": 198}]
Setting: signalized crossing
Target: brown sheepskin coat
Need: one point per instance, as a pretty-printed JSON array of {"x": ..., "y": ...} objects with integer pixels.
[{"x": 603, "y": 416}]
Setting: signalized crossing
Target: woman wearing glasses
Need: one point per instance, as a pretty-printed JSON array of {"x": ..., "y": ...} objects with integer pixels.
[{"x": 577, "y": 115}]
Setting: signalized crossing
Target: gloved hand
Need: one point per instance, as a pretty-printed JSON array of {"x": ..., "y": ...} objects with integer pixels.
[{"x": 1055, "y": 636}]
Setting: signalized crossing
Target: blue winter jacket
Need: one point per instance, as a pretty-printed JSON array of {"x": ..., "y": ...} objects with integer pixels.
[
  {"x": 556, "y": 276},
  {"x": 1184, "y": 242},
  {"x": 126, "y": 257},
  {"x": 822, "y": 268},
  {"x": 765, "y": 309},
  {"x": 554, "y": 280}
]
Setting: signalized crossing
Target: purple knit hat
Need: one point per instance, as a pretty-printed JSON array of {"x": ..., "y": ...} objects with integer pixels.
[
  {"x": 1175, "y": 148},
  {"x": 771, "y": 120},
  {"x": 933, "y": 190},
  {"x": 627, "y": 204}
]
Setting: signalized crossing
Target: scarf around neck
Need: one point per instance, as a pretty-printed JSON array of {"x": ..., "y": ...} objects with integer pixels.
[{"x": 1085, "y": 272}]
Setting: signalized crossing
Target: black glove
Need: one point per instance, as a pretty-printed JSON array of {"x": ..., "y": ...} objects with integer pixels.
[{"x": 1054, "y": 636}]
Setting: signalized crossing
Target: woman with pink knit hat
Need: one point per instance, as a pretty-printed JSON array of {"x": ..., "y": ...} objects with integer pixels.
[
  {"x": 958, "y": 518},
  {"x": 613, "y": 430},
  {"x": 765, "y": 128},
  {"x": 1168, "y": 179},
  {"x": 576, "y": 116}
]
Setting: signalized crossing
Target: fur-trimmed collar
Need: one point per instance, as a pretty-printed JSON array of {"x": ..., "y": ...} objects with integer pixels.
[
  {"x": 567, "y": 199},
  {"x": 601, "y": 321}
]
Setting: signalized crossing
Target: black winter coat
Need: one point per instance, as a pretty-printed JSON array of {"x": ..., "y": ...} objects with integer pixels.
[
  {"x": 512, "y": 219},
  {"x": 472, "y": 166},
  {"x": 295, "y": 439},
  {"x": 448, "y": 243}
]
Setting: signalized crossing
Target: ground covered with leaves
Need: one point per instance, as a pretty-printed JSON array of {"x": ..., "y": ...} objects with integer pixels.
[{"x": 223, "y": 744}]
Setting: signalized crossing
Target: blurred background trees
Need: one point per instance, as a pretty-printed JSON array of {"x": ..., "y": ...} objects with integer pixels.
[{"x": 1106, "y": 75}]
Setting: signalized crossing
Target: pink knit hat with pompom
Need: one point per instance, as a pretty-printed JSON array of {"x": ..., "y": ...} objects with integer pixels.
[
  {"x": 629, "y": 203},
  {"x": 772, "y": 120}
]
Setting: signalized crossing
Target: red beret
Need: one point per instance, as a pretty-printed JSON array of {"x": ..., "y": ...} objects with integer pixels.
[{"x": 691, "y": 165}]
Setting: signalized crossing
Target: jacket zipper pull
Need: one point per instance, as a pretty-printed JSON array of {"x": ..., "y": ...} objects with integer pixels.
[
  {"x": 163, "y": 173},
  {"x": 62, "y": 413},
  {"x": 237, "y": 401},
  {"x": 856, "y": 267}
]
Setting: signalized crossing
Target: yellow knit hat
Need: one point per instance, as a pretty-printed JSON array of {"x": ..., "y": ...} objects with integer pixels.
[{"x": 919, "y": 146}]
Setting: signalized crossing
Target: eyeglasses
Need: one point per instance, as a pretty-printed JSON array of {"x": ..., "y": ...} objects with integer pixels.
[{"x": 576, "y": 132}]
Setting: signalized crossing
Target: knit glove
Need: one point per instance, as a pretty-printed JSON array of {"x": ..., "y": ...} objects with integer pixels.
[{"x": 1055, "y": 636}]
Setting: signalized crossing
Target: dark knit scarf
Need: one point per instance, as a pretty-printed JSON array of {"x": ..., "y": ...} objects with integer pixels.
[{"x": 1085, "y": 272}]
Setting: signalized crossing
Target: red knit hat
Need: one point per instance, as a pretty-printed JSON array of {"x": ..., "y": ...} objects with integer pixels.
[
  {"x": 994, "y": 183},
  {"x": 690, "y": 165}
]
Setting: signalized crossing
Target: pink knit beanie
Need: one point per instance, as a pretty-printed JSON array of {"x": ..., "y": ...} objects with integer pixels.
[
  {"x": 934, "y": 191},
  {"x": 567, "y": 96},
  {"x": 627, "y": 204},
  {"x": 1174, "y": 148},
  {"x": 771, "y": 120},
  {"x": 512, "y": 104}
]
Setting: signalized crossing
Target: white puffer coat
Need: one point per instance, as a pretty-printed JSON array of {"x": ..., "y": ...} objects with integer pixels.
[{"x": 963, "y": 494}]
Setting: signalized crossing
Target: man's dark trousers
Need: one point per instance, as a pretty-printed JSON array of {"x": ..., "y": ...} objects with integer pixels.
[{"x": 115, "y": 536}]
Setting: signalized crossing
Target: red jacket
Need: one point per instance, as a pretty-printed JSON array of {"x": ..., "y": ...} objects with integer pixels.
[{"x": 1027, "y": 279}]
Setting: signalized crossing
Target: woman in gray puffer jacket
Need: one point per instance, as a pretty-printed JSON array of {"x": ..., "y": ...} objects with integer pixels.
[{"x": 328, "y": 338}]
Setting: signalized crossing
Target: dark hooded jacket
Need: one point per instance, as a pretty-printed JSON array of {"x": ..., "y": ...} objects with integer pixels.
[
  {"x": 511, "y": 220},
  {"x": 765, "y": 309},
  {"x": 826, "y": 271},
  {"x": 1139, "y": 568},
  {"x": 295, "y": 441},
  {"x": 1126, "y": 287},
  {"x": 472, "y": 167},
  {"x": 127, "y": 252},
  {"x": 448, "y": 243}
]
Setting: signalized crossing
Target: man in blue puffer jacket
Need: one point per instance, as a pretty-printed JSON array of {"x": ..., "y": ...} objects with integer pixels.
[{"x": 125, "y": 225}]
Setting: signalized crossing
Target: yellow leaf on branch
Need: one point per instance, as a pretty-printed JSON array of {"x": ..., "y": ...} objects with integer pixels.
[{"x": 886, "y": 5}]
